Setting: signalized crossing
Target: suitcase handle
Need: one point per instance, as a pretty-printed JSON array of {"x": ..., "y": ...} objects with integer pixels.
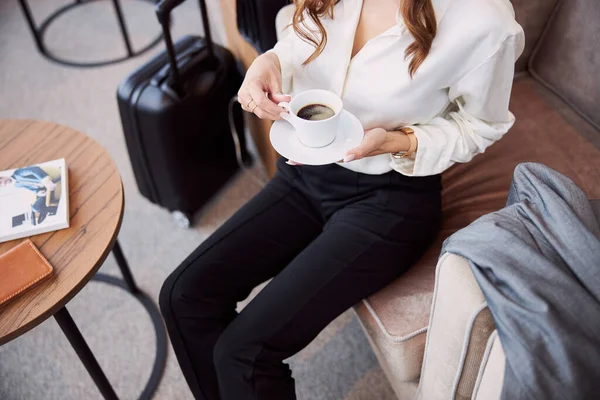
[
  {"x": 164, "y": 7},
  {"x": 163, "y": 12},
  {"x": 182, "y": 60}
]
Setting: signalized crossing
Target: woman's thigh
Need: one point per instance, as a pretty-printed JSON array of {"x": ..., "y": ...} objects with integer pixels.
[
  {"x": 249, "y": 248},
  {"x": 198, "y": 300},
  {"x": 361, "y": 250}
]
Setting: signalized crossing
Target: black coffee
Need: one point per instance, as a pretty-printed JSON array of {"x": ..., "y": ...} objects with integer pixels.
[{"x": 316, "y": 112}]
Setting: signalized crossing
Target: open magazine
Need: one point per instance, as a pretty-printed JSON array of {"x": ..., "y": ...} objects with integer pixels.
[{"x": 34, "y": 200}]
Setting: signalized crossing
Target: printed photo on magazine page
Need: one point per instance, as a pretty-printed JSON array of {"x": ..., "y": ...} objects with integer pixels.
[{"x": 33, "y": 200}]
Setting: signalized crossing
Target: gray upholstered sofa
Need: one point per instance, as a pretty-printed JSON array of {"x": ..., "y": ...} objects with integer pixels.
[{"x": 431, "y": 330}]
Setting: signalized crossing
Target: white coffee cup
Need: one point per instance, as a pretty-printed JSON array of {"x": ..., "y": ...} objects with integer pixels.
[{"x": 313, "y": 133}]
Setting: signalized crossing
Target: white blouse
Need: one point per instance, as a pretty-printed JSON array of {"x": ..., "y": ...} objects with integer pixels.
[{"x": 457, "y": 102}]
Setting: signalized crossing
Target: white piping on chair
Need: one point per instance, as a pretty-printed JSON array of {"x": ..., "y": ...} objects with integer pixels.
[{"x": 393, "y": 338}]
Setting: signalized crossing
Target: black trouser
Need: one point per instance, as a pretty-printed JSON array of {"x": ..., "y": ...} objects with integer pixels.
[{"x": 328, "y": 236}]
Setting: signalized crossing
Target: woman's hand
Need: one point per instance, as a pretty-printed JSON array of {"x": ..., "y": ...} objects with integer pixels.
[
  {"x": 261, "y": 90},
  {"x": 378, "y": 141}
]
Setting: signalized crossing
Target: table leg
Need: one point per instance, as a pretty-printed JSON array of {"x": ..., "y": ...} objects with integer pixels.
[
  {"x": 128, "y": 284},
  {"x": 124, "y": 267},
  {"x": 123, "y": 27},
  {"x": 73, "y": 334},
  {"x": 32, "y": 27}
]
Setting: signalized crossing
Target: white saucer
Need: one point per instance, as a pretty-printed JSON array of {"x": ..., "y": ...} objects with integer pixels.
[{"x": 285, "y": 141}]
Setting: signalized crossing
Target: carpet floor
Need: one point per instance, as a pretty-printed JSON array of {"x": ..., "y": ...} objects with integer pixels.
[{"x": 338, "y": 364}]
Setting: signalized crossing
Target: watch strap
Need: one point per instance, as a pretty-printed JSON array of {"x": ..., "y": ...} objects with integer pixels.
[{"x": 410, "y": 133}]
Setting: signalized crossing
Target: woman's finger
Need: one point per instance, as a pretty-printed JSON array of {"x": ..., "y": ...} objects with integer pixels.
[
  {"x": 279, "y": 97},
  {"x": 263, "y": 102},
  {"x": 290, "y": 162},
  {"x": 244, "y": 99},
  {"x": 353, "y": 154},
  {"x": 349, "y": 157},
  {"x": 249, "y": 105},
  {"x": 262, "y": 114}
]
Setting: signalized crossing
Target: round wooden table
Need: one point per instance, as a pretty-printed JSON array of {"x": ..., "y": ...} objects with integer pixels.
[{"x": 76, "y": 253}]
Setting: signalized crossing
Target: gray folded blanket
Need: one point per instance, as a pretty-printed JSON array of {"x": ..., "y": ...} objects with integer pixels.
[{"x": 537, "y": 262}]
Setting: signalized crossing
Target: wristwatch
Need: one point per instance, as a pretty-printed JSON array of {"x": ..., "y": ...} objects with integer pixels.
[{"x": 410, "y": 132}]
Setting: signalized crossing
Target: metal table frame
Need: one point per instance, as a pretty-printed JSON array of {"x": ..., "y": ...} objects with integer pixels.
[
  {"x": 86, "y": 356},
  {"x": 38, "y": 34}
]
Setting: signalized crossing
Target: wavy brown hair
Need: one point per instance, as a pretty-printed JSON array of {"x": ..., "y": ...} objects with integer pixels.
[{"x": 419, "y": 18}]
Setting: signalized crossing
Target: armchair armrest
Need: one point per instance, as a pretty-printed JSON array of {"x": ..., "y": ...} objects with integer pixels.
[{"x": 459, "y": 328}]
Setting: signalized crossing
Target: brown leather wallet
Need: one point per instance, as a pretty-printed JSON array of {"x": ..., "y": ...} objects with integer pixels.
[{"x": 20, "y": 268}]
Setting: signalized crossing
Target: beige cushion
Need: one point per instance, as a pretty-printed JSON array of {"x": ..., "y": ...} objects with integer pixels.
[
  {"x": 459, "y": 328},
  {"x": 491, "y": 374}
]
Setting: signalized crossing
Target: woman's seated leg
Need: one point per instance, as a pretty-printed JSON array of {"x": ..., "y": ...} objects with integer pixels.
[{"x": 198, "y": 299}]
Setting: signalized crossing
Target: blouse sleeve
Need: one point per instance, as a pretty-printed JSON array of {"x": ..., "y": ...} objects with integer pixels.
[{"x": 479, "y": 116}]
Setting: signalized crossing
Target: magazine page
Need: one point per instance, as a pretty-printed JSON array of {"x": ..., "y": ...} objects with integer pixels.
[{"x": 33, "y": 200}]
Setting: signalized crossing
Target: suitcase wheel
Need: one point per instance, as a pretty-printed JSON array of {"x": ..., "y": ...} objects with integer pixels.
[{"x": 182, "y": 219}]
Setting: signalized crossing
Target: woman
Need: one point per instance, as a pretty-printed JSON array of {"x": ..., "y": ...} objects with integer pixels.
[{"x": 430, "y": 81}]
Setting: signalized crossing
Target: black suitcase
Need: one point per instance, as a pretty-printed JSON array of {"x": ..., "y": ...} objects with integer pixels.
[{"x": 176, "y": 111}]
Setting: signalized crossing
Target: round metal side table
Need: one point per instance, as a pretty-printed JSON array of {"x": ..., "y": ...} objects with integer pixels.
[{"x": 38, "y": 33}]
